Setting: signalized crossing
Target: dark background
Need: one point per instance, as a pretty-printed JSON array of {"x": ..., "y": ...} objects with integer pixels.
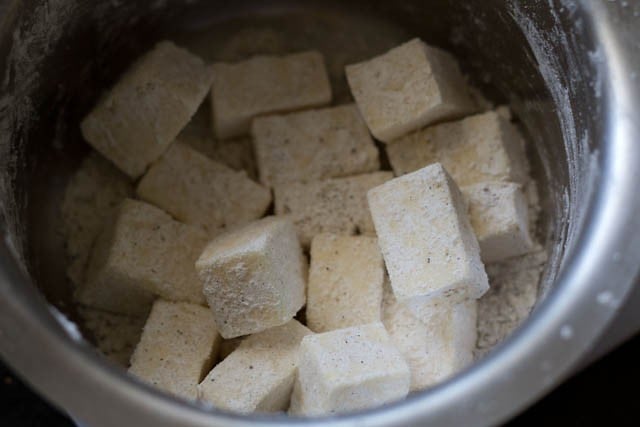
[{"x": 604, "y": 394}]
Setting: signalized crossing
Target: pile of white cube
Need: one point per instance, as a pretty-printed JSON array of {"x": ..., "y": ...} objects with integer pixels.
[{"x": 336, "y": 285}]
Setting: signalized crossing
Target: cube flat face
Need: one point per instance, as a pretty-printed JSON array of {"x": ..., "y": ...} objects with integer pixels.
[
  {"x": 480, "y": 148},
  {"x": 202, "y": 192},
  {"x": 499, "y": 217},
  {"x": 263, "y": 85},
  {"x": 429, "y": 248},
  {"x": 436, "y": 347},
  {"x": 407, "y": 88},
  {"x": 348, "y": 370},
  {"x": 259, "y": 375},
  {"x": 336, "y": 206},
  {"x": 313, "y": 145},
  {"x": 178, "y": 346},
  {"x": 142, "y": 114},
  {"x": 90, "y": 200},
  {"x": 345, "y": 282},
  {"x": 144, "y": 254},
  {"x": 254, "y": 277}
]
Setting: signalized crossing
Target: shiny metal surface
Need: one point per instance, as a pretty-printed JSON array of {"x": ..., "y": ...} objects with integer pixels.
[{"x": 567, "y": 67}]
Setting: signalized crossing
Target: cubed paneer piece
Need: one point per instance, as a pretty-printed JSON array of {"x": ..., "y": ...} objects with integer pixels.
[
  {"x": 114, "y": 335},
  {"x": 312, "y": 145},
  {"x": 480, "y": 148},
  {"x": 142, "y": 254},
  {"x": 347, "y": 370},
  {"x": 199, "y": 191},
  {"x": 178, "y": 346},
  {"x": 135, "y": 122},
  {"x": 91, "y": 197},
  {"x": 498, "y": 214},
  {"x": 263, "y": 85},
  {"x": 411, "y": 86},
  {"x": 254, "y": 277},
  {"x": 337, "y": 205},
  {"x": 427, "y": 242},
  {"x": 345, "y": 282},
  {"x": 437, "y": 348},
  {"x": 259, "y": 375}
]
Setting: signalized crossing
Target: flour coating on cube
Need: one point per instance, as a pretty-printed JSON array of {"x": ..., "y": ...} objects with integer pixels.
[
  {"x": 436, "y": 347},
  {"x": 199, "y": 191},
  {"x": 337, "y": 205},
  {"x": 480, "y": 148},
  {"x": 408, "y": 87},
  {"x": 345, "y": 282},
  {"x": 144, "y": 253},
  {"x": 265, "y": 85},
  {"x": 91, "y": 197},
  {"x": 347, "y": 370},
  {"x": 179, "y": 344},
  {"x": 427, "y": 242},
  {"x": 499, "y": 217},
  {"x": 312, "y": 145},
  {"x": 258, "y": 376},
  {"x": 134, "y": 123},
  {"x": 254, "y": 277}
]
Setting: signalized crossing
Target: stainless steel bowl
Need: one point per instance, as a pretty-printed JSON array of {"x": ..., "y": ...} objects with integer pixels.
[{"x": 568, "y": 69}]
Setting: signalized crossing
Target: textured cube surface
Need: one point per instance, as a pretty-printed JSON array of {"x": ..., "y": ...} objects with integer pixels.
[
  {"x": 199, "y": 191},
  {"x": 498, "y": 214},
  {"x": 254, "y": 277},
  {"x": 334, "y": 205},
  {"x": 312, "y": 145},
  {"x": 429, "y": 248},
  {"x": 345, "y": 282},
  {"x": 135, "y": 122},
  {"x": 436, "y": 347},
  {"x": 177, "y": 348},
  {"x": 144, "y": 253},
  {"x": 407, "y": 88},
  {"x": 266, "y": 84},
  {"x": 258, "y": 376},
  {"x": 347, "y": 370},
  {"x": 484, "y": 147}
]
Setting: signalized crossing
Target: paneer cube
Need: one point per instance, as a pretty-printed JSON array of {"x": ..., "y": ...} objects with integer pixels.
[
  {"x": 259, "y": 375},
  {"x": 312, "y": 145},
  {"x": 411, "y": 86},
  {"x": 264, "y": 85},
  {"x": 347, "y": 370},
  {"x": 345, "y": 282},
  {"x": 498, "y": 214},
  {"x": 178, "y": 346},
  {"x": 254, "y": 277},
  {"x": 336, "y": 205},
  {"x": 144, "y": 253},
  {"x": 199, "y": 191},
  {"x": 436, "y": 347},
  {"x": 135, "y": 122},
  {"x": 480, "y": 148},
  {"x": 427, "y": 242}
]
